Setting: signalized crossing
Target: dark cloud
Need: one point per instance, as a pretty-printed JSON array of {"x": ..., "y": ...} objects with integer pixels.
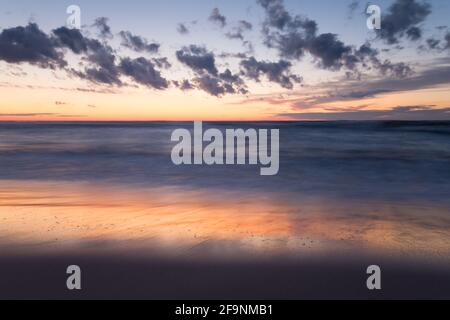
[
  {"x": 410, "y": 113},
  {"x": 278, "y": 72},
  {"x": 98, "y": 59},
  {"x": 102, "y": 58},
  {"x": 447, "y": 40},
  {"x": 403, "y": 19},
  {"x": 218, "y": 18},
  {"x": 331, "y": 52},
  {"x": 277, "y": 15},
  {"x": 143, "y": 71},
  {"x": 369, "y": 58},
  {"x": 102, "y": 75},
  {"x": 99, "y": 56},
  {"x": 138, "y": 44},
  {"x": 104, "y": 29},
  {"x": 71, "y": 38},
  {"x": 212, "y": 85},
  {"x": 294, "y": 36},
  {"x": 414, "y": 33},
  {"x": 162, "y": 63},
  {"x": 208, "y": 78},
  {"x": 438, "y": 75},
  {"x": 226, "y": 83},
  {"x": 183, "y": 85},
  {"x": 182, "y": 29},
  {"x": 245, "y": 25},
  {"x": 229, "y": 77},
  {"x": 30, "y": 45},
  {"x": 198, "y": 59},
  {"x": 433, "y": 43},
  {"x": 238, "y": 32}
]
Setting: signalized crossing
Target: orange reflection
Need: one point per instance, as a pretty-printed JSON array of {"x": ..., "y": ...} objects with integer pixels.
[{"x": 61, "y": 215}]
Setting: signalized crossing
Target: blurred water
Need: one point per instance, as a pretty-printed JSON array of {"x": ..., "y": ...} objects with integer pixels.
[{"x": 405, "y": 161}]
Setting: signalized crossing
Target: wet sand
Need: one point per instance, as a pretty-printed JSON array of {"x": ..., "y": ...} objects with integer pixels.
[{"x": 173, "y": 243}]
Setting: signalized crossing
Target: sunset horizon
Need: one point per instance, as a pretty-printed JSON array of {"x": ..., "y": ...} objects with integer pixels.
[
  {"x": 241, "y": 69},
  {"x": 224, "y": 150}
]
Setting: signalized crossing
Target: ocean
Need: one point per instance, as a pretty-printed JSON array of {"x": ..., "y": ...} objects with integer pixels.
[
  {"x": 406, "y": 161},
  {"x": 357, "y": 193}
]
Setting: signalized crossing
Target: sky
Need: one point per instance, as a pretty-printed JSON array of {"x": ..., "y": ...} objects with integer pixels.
[{"x": 224, "y": 60}]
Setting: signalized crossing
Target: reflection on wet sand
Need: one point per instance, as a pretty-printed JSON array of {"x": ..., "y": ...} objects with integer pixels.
[{"x": 59, "y": 216}]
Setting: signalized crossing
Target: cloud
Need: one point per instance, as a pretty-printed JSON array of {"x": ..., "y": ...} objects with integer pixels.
[
  {"x": 143, "y": 71},
  {"x": 433, "y": 43},
  {"x": 198, "y": 59},
  {"x": 277, "y": 15},
  {"x": 278, "y": 72},
  {"x": 403, "y": 19},
  {"x": 438, "y": 75},
  {"x": 183, "y": 85},
  {"x": 100, "y": 56},
  {"x": 329, "y": 50},
  {"x": 226, "y": 83},
  {"x": 102, "y": 25},
  {"x": 182, "y": 29},
  {"x": 352, "y": 7},
  {"x": 438, "y": 45},
  {"x": 294, "y": 36},
  {"x": 162, "y": 63},
  {"x": 27, "y": 114},
  {"x": 208, "y": 78},
  {"x": 104, "y": 69},
  {"x": 238, "y": 32},
  {"x": 218, "y": 18},
  {"x": 99, "y": 62},
  {"x": 71, "y": 38},
  {"x": 213, "y": 85},
  {"x": 411, "y": 113},
  {"x": 138, "y": 44},
  {"x": 30, "y": 45}
]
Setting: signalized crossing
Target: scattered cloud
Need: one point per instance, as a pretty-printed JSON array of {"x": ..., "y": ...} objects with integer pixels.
[
  {"x": 143, "y": 71},
  {"x": 27, "y": 114},
  {"x": 104, "y": 29},
  {"x": 218, "y": 18},
  {"x": 138, "y": 44},
  {"x": 352, "y": 7},
  {"x": 198, "y": 59},
  {"x": 31, "y": 45},
  {"x": 403, "y": 20},
  {"x": 238, "y": 32},
  {"x": 410, "y": 113},
  {"x": 182, "y": 29},
  {"x": 295, "y": 36},
  {"x": 278, "y": 72}
]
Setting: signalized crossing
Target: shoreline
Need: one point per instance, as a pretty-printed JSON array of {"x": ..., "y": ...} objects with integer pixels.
[{"x": 172, "y": 243}]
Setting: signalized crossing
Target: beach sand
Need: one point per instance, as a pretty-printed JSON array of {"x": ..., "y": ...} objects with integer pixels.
[{"x": 133, "y": 241}]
